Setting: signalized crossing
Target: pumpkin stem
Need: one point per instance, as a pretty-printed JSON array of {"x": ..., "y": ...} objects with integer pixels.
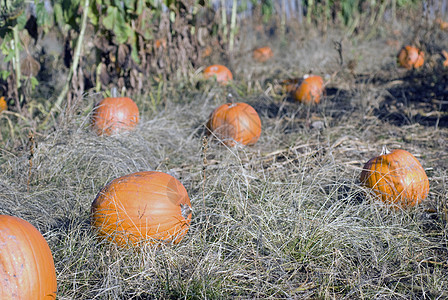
[
  {"x": 385, "y": 150},
  {"x": 230, "y": 98}
]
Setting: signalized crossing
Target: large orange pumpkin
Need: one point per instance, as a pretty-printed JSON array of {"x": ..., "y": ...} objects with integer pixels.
[
  {"x": 143, "y": 207},
  {"x": 397, "y": 177},
  {"x": 262, "y": 54},
  {"x": 26, "y": 263},
  {"x": 114, "y": 115},
  {"x": 410, "y": 57},
  {"x": 310, "y": 90},
  {"x": 220, "y": 72},
  {"x": 235, "y": 123}
]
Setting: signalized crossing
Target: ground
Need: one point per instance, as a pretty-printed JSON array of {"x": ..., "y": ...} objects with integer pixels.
[{"x": 284, "y": 218}]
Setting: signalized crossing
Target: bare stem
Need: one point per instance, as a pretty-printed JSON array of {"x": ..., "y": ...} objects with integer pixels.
[
  {"x": 224, "y": 20},
  {"x": 74, "y": 66},
  {"x": 232, "y": 25},
  {"x": 16, "y": 60}
]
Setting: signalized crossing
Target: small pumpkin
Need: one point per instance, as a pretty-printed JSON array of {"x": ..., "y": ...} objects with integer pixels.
[
  {"x": 262, "y": 54},
  {"x": 310, "y": 90},
  {"x": 410, "y": 57},
  {"x": 115, "y": 114},
  {"x": 220, "y": 72},
  {"x": 235, "y": 123},
  {"x": 289, "y": 86},
  {"x": 445, "y": 55},
  {"x": 142, "y": 208},
  {"x": 26, "y": 264},
  {"x": 160, "y": 43},
  {"x": 397, "y": 177},
  {"x": 3, "y": 104},
  {"x": 443, "y": 25},
  {"x": 206, "y": 52}
]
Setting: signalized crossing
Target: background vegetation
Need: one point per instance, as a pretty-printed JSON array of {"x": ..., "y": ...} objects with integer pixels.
[{"x": 285, "y": 218}]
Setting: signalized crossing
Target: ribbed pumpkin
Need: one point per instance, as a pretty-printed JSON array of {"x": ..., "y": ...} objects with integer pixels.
[
  {"x": 397, "y": 177},
  {"x": 310, "y": 90},
  {"x": 235, "y": 123},
  {"x": 410, "y": 57},
  {"x": 114, "y": 115},
  {"x": 220, "y": 72},
  {"x": 262, "y": 54},
  {"x": 26, "y": 263},
  {"x": 143, "y": 207}
]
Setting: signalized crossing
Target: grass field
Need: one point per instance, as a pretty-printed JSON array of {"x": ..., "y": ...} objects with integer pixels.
[{"x": 285, "y": 218}]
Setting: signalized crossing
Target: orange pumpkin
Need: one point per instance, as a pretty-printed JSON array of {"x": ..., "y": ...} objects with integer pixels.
[
  {"x": 443, "y": 25},
  {"x": 397, "y": 177},
  {"x": 220, "y": 72},
  {"x": 445, "y": 54},
  {"x": 235, "y": 123},
  {"x": 26, "y": 263},
  {"x": 206, "y": 52},
  {"x": 410, "y": 57},
  {"x": 262, "y": 54},
  {"x": 143, "y": 207},
  {"x": 160, "y": 43},
  {"x": 3, "y": 104},
  {"x": 290, "y": 85},
  {"x": 310, "y": 90},
  {"x": 114, "y": 115}
]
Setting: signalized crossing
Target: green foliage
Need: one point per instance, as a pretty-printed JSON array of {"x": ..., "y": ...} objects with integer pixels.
[
  {"x": 44, "y": 19},
  {"x": 10, "y": 10}
]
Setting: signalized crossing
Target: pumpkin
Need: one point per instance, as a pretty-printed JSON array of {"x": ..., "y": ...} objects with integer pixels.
[
  {"x": 3, "y": 104},
  {"x": 310, "y": 90},
  {"x": 262, "y": 54},
  {"x": 114, "y": 115},
  {"x": 220, "y": 72},
  {"x": 235, "y": 123},
  {"x": 443, "y": 25},
  {"x": 445, "y": 55},
  {"x": 289, "y": 85},
  {"x": 160, "y": 43},
  {"x": 142, "y": 208},
  {"x": 397, "y": 177},
  {"x": 410, "y": 57},
  {"x": 26, "y": 263},
  {"x": 206, "y": 52}
]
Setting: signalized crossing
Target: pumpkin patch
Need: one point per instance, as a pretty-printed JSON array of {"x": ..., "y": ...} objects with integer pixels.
[{"x": 253, "y": 179}]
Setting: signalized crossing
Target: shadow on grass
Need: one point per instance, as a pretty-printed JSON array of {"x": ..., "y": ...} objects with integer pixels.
[{"x": 417, "y": 97}]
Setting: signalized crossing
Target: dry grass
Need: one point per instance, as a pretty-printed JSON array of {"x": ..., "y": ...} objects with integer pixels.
[{"x": 285, "y": 218}]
